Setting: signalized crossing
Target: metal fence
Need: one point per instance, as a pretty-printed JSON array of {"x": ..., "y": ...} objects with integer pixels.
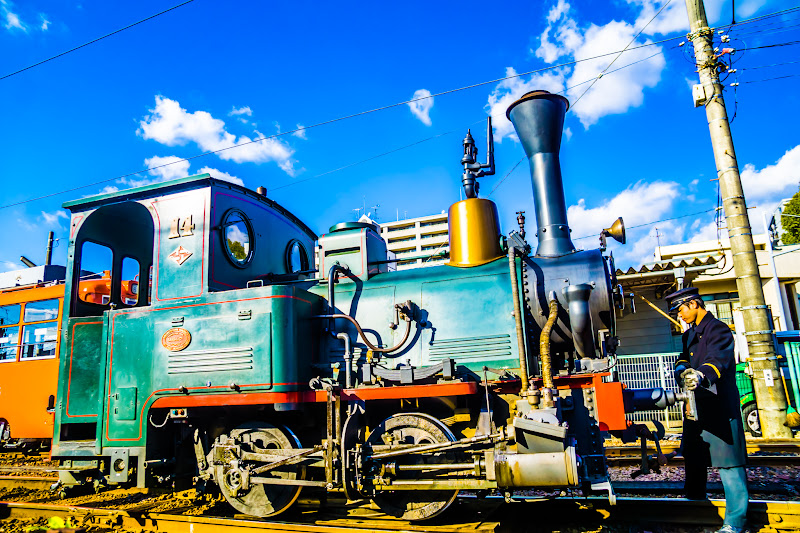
[{"x": 645, "y": 371}]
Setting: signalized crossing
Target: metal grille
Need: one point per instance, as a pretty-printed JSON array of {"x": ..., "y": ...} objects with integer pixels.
[
  {"x": 214, "y": 360},
  {"x": 471, "y": 348},
  {"x": 644, "y": 371}
]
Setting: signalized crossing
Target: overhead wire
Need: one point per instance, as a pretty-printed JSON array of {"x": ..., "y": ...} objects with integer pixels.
[
  {"x": 323, "y": 123},
  {"x": 338, "y": 119},
  {"x": 654, "y": 222},
  {"x": 151, "y": 17}
]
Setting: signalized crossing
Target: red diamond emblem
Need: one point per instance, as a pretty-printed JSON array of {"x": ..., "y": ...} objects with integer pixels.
[{"x": 180, "y": 255}]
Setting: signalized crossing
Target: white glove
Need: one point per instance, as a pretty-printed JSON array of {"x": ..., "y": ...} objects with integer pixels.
[{"x": 692, "y": 378}]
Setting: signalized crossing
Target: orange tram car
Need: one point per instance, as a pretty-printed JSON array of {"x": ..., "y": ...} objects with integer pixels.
[{"x": 31, "y": 302}]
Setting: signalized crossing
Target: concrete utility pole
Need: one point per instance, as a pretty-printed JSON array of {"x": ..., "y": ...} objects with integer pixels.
[{"x": 767, "y": 383}]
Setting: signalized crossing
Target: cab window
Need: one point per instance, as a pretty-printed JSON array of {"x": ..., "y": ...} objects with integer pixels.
[
  {"x": 95, "y": 277},
  {"x": 129, "y": 289}
]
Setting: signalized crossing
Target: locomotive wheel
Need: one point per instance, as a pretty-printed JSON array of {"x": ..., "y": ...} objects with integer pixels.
[
  {"x": 257, "y": 499},
  {"x": 412, "y": 428}
]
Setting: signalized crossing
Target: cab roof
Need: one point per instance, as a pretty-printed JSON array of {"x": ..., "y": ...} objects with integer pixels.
[{"x": 180, "y": 184}]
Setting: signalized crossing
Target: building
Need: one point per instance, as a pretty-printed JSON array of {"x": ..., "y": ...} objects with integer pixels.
[
  {"x": 709, "y": 267},
  {"x": 418, "y": 242}
]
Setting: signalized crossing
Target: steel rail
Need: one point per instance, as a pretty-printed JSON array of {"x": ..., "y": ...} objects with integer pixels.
[
  {"x": 753, "y": 446},
  {"x": 752, "y": 460},
  {"x": 27, "y": 482},
  {"x": 775, "y": 515}
]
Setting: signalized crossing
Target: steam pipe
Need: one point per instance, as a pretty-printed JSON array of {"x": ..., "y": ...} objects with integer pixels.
[
  {"x": 348, "y": 359},
  {"x": 580, "y": 318},
  {"x": 523, "y": 359},
  {"x": 332, "y": 275},
  {"x": 364, "y": 337},
  {"x": 27, "y": 262},
  {"x": 538, "y": 119},
  {"x": 544, "y": 350}
]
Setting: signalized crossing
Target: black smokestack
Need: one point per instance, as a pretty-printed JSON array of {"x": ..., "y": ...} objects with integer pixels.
[{"x": 538, "y": 118}]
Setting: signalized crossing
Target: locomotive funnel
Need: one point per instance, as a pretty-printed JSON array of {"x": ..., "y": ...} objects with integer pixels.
[{"x": 538, "y": 118}]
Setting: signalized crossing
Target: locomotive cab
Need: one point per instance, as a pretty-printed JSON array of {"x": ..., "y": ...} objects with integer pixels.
[{"x": 171, "y": 291}]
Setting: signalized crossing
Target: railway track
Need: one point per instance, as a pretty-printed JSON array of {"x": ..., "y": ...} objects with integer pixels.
[{"x": 480, "y": 516}]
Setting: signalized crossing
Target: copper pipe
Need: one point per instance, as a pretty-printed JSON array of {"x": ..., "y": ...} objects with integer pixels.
[
  {"x": 544, "y": 343},
  {"x": 364, "y": 338},
  {"x": 523, "y": 359}
]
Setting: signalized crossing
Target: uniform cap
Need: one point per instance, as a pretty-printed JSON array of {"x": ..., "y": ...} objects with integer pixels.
[{"x": 678, "y": 298}]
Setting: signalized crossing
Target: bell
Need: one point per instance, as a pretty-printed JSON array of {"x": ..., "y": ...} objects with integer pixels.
[{"x": 616, "y": 231}]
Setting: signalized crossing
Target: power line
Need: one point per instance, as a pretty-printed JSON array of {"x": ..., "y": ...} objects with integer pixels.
[
  {"x": 95, "y": 40},
  {"x": 654, "y": 222},
  {"x": 326, "y": 122},
  {"x": 790, "y": 43},
  {"x": 770, "y": 79},
  {"x": 768, "y": 66},
  {"x": 339, "y": 119}
]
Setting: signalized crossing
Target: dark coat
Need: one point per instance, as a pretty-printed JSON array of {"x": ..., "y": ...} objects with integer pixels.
[{"x": 717, "y": 437}]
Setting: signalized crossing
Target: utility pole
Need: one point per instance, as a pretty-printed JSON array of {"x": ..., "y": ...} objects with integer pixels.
[{"x": 769, "y": 392}]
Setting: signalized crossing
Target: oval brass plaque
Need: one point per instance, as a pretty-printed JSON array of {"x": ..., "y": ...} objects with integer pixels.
[{"x": 176, "y": 339}]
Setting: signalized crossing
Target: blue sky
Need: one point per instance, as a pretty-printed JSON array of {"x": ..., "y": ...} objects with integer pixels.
[{"x": 212, "y": 74}]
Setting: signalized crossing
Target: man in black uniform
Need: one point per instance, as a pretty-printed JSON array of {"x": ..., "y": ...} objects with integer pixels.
[{"x": 708, "y": 367}]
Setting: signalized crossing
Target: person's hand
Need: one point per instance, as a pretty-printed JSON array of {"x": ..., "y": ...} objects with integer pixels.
[
  {"x": 679, "y": 370},
  {"x": 692, "y": 378}
]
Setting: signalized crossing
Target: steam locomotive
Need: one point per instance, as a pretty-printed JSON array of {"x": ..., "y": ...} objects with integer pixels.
[{"x": 243, "y": 364}]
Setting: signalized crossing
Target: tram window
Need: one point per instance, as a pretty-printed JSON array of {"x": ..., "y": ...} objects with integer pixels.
[
  {"x": 238, "y": 237},
  {"x": 9, "y": 339},
  {"x": 9, "y": 314},
  {"x": 296, "y": 257},
  {"x": 95, "y": 280},
  {"x": 41, "y": 311},
  {"x": 130, "y": 281},
  {"x": 39, "y": 340}
]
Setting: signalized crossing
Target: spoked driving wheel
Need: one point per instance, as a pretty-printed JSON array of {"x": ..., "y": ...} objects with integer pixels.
[
  {"x": 234, "y": 479},
  {"x": 416, "y": 429}
]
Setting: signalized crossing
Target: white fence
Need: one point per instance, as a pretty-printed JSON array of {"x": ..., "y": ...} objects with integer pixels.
[{"x": 646, "y": 371}]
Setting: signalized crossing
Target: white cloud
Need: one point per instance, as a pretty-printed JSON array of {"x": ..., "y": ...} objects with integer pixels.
[
  {"x": 773, "y": 182},
  {"x": 672, "y": 19},
  {"x": 300, "y": 133},
  {"x": 220, "y": 175},
  {"x": 45, "y": 23},
  {"x": 622, "y": 90},
  {"x": 171, "y": 125},
  {"x": 13, "y": 21},
  {"x": 507, "y": 91},
  {"x": 245, "y": 110},
  {"x": 52, "y": 219},
  {"x": 564, "y": 38},
  {"x": 565, "y": 33},
  {"x": 8, "y": 266},
  {"x": 108, "y": 189},
  {"x": 422, "y": 108},
  {"x": 639, "y": 203},
  {"x": 175, "y": 167}
]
